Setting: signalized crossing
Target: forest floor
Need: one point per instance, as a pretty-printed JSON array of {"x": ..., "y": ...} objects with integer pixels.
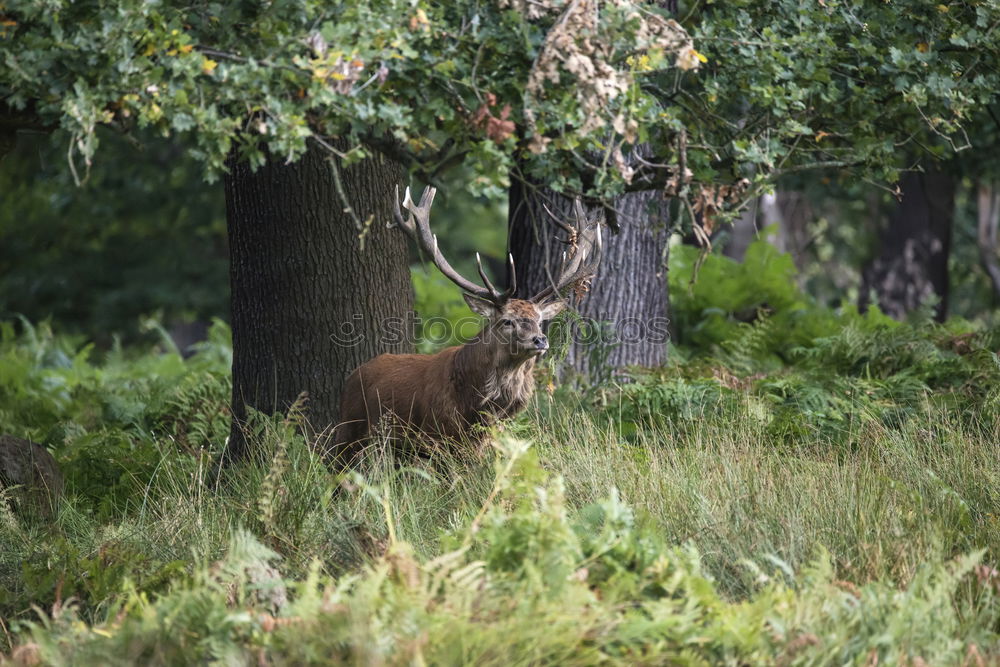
[{"x": 840, "y": 508}]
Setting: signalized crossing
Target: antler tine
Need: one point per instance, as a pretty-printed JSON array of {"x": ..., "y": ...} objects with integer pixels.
[
  {"x": 418, "y": 227},
  {"x": 585, "y": 258},
  {"x": 497, "y": 295},
  {"x": 397, "y": 213},
  {"x": 570, "y": 230},
  {"x": 578, "y": 210},
  {"x": 512, "y": 288},
  {"x": 422, "y": 213}
]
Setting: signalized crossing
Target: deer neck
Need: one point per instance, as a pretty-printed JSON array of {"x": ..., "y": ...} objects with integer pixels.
[{"x": 486, "y": 374}]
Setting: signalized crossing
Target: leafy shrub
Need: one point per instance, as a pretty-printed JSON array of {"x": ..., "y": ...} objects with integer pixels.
[
  {"x": 655, "y": 398},
  {"x": 108, "y": 423},
  {"x": 754, "y": 344},
  {"x": 720, "y": 306}
]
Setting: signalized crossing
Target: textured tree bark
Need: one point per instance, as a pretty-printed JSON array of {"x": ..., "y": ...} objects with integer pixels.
[
  {"x": 629, "y": 292},
  {"x": 308, "y": 303},
  {"x": 912, "y": 264}
]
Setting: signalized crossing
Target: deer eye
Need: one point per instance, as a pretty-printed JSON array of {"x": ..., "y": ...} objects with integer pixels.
[{"x": 506, "y": 323}]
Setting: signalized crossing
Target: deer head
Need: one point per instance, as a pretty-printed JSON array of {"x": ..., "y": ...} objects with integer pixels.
[{"x": 513, "y": 324}]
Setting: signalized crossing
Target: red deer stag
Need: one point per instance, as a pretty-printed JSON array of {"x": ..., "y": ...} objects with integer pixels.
[{"x": 443, "y": 396}]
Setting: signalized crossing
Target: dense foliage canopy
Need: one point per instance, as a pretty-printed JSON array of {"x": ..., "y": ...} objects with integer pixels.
[{"x": 562, "y": 89}]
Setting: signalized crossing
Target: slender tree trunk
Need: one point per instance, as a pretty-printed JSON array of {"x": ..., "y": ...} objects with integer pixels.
[
  {"x": 742, "y": 233},
  {"x": 788, "y": 212},
  {"x": 308, "y": 303},
  {"x": 988, "y": 214},
  {"x": 625, "y": 312},
  {"x": 912, "y": 265},
  {"x": 794, "y": 213}
]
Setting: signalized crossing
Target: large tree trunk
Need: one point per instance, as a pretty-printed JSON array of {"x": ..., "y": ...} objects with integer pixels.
[
  {"x": 912, "y": 265},
  {"x": 625, "y": 312},
  {"x": 308, "y": 304}
]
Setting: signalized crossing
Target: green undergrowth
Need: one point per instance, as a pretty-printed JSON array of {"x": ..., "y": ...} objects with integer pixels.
[
  {"x": 830, "y": 390},
  {"x": 529, "y": 579},
  {"x": 751, "y": 344},
  {"x": 710, "y": 512}
]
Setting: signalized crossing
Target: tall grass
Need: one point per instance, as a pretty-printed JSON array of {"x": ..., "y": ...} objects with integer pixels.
[{"x": 897, "y": 499}]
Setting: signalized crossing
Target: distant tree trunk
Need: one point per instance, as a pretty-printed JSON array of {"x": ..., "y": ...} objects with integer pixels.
[
  {"x": 787, "y": 212},
  {"x": 912, "y": 264},
  {"x": 988, "y": 214},
  {"x": 792, "y": 211},
  {"x": 308, "y": 305},
  {"x": 742, "y": 232},
  {"x": 629, "y": 292}
]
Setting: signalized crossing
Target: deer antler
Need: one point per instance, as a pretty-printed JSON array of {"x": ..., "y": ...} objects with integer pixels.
[
  {"x": 418, "y": 227},
  {"x": 584, "y": 255}
]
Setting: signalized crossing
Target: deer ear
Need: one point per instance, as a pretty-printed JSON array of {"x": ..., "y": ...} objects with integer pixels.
[
  {"x": 480, "y": 305},
  {"x": 549, "y": 310}
]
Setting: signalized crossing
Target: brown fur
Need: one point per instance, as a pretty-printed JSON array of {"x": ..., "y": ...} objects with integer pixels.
[{"x": 444, "y": 395}]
